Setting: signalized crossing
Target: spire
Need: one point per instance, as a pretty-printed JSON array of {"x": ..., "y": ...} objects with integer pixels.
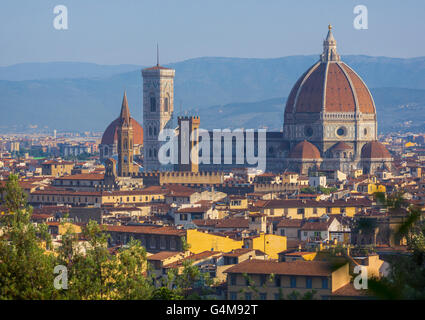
[
  {"x": 125, "y": 112},
  {"x": 157, "y": 55},
  {"x": 329, "y": 48}
]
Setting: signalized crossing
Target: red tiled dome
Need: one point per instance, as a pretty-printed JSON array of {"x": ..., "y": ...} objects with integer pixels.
[
  {"x": 304, "y": 150},
  {"x": 110, "y": 136},
  {"x": 375, "y": 150},
  {"x": 332, "y": 84},
  {"x": 341, "y": 146}
]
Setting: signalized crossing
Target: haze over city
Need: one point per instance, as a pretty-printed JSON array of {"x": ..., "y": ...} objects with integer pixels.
[{"x": 212, "y": 150}]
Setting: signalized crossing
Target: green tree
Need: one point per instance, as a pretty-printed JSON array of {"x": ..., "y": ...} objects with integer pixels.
[
  {"x": 406, "y": 279},
  {"x": 26, "y": 269},
  {"x": 128, "y": 273}
]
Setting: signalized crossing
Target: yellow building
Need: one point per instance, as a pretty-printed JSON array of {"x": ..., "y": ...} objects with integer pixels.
[
  {"x": 238, "y": 202},
  {"x": 270, "y": 280},
  {"x": 57, "y": 196},
  {"x": 56, "y": 168},
  {"x": 270, "y": 244},
  {"x": 202, "y": 241},
  {"x": 302, "y": 209}
]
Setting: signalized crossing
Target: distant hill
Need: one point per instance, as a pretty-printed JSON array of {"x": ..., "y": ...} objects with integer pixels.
[
  {"x": 61, "y": 70},
  {"x": 229, "y": 92}
]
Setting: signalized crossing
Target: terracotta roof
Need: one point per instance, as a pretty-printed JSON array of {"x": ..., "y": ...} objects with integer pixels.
[
  {"x": 237, "y": 252},
  {"x": 375, "y": 149},
  {"x": 199, "y": 209},
  {"x": 83, "y": 176},
  {"x": 146, "y": 230},
  {"x": 299, "y": 268},
  {"x": 163, "y": 255},
  {"x": 315, "y": 226},
  {"x": 290, "y": 223},
  {"x": 304, "y": 150},
  {"x": 54, "y": 191}
]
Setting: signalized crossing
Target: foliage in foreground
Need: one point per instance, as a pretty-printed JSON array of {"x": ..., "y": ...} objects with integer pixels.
[{"x": 28, "y": 259}]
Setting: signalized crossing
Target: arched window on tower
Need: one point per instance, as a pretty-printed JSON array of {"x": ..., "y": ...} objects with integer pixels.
[
  {"x": 154, "y": 131},
  {"x": 150, "y": 131},
  {"x": 153, "y": 103},
  {"x": 166, "y": 104}
]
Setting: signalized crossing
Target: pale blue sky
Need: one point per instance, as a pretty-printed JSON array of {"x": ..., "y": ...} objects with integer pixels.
[{"x": 126, "y": 31}]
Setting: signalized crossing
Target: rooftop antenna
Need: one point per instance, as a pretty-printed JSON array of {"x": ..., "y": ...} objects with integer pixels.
[{"x": 157, "y": 54}]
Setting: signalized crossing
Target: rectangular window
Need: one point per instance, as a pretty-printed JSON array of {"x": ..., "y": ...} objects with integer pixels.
[
  {"x": 248, "y": 296},
  {"x": 277, "y": 296},
  {"x": 153, "y": 243},
  {"x": 293, "y": 282},
  {"x": 324, "y": 283},
  {"x": 277, "y": 281},
  {"x": 263, "y": 296},
  {"x": 308, "y": 283},
  {"x": 233, "y": 296},
  {"x": 262, "y": 280},
  {"x": 233, "y": 279}
]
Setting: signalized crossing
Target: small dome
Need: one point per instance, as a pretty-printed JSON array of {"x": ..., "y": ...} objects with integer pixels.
[
  {"x": 375, "y": 150},
  {"x": 304, "y": 150},
  {"x": 110, "y": 136},
  {"x": 341, "y": 146}
]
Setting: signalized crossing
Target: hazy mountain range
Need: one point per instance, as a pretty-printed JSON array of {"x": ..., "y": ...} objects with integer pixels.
[{"x": 225, "y": 92}]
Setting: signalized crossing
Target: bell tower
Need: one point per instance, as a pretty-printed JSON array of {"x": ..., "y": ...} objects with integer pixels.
[
  {"x": 125, "y": 141},
  {"x": 158, "y": 106}
]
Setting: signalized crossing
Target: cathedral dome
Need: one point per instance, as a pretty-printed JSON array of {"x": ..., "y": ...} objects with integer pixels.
[
  {"x": 304, "y": 150},
  {"x": 341, "y": 146},
  {"x": 375, "y": 150},
  {"x": 110, "y": 136},
  {"x": 330, "y": 85}
]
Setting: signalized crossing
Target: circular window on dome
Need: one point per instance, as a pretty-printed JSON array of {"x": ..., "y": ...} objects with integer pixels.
[
  {"x": 308, "y": 131},
  {"x": 341, "y": 131}
]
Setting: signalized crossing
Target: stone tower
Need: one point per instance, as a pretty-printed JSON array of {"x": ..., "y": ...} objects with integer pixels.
[
  {"x": 158, "y": 106},
  {"x": 125, "y": 141},
  {"x": 187, "y": 145}
]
